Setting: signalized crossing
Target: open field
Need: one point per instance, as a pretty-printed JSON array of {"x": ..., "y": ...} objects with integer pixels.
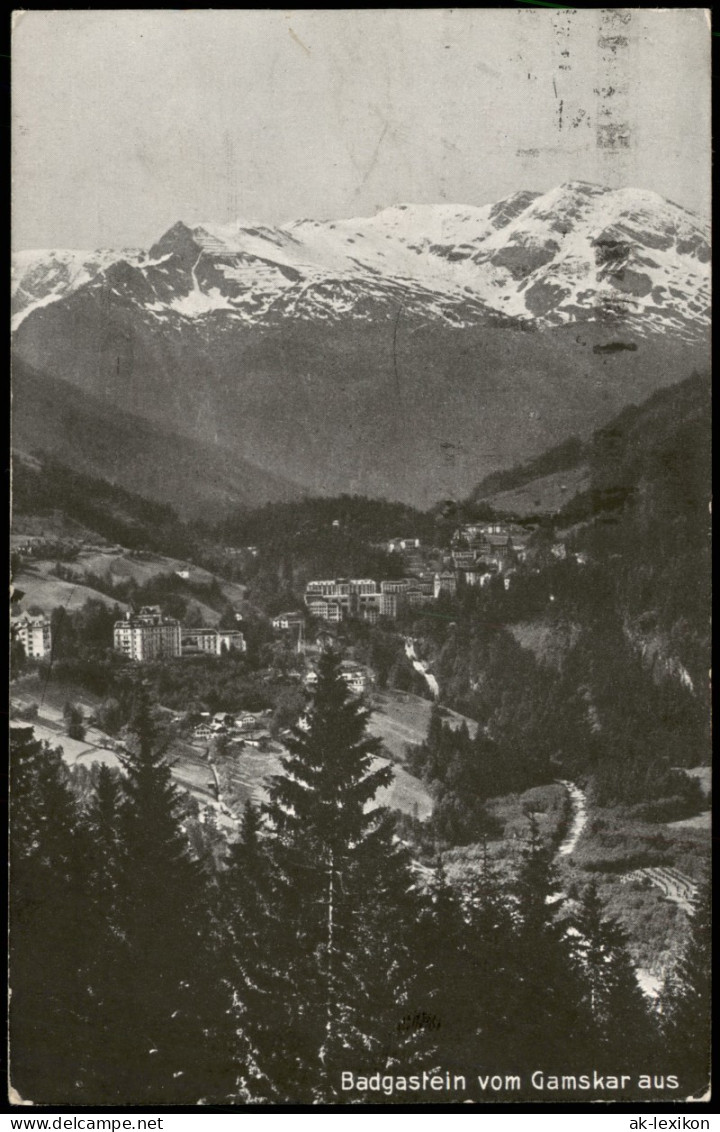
[
  {"x": 244, "y": 776},
  {"x": 400, "y": 718},
  {"x": 88, "y": 750},
  {"x": 143, "y": 568},
  {"x": 405, "y": 793},
  {"x": 49, "y": 593},
  {"x": 43, "y": 589},
  {"x": 544, "y": 495}
]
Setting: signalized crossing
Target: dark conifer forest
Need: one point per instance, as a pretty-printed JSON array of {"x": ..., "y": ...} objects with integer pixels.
[{"x": 313, "y": 954}]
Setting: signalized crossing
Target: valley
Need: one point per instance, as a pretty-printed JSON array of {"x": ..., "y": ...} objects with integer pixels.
[
  {"x": 498, "y": 611},
  {"x": 460, "y": 457},
  {"x": 405, "y": 356}
]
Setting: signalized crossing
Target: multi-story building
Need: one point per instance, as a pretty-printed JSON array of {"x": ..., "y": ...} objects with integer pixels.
[
  {"x": 364, "y": 605},
  {"x": 371, "y": 613},
  {"x": 328, "y": 587},
  {"x": 229, "y": 640},
  {"x": 325, "y": 609},
  {"x": 340, "y": 587},
  {"x": 414, "y": 596},
  {"x": 34, "y": 634},
  {"x": 426, "y": 585},
  {"x": 198, "y": 640},
  {"x": 363, "y": 586},
  {"x": 213, "y": 641},
  {"x": 395, "y": 585},
  {"x": 245, "y": 721},
  {"x": 413, "y": 561},
  {"x": 349, "y": 596},
  {"x": 389, "y": 604},
  {"x": 148, "y": 635},
  {"x": 334, "y": 599},
  {"x": 463, "y": 557}
]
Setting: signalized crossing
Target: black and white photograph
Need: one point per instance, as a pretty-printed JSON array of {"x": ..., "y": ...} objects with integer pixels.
[{"x": 360, "y": 558}]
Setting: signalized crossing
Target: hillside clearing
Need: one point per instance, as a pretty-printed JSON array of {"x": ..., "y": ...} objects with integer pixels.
[{"x": 49, "y": 593}]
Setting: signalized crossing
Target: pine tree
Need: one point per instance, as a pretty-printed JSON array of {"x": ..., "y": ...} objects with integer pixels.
[
  {"x": 617, "y": 1008},
  {"x": 48, "y": 920},
  {"x": 341, "y": 874},
  {"x": 492, "y": 968},
  {"x": 686, "y": 1002},
  {"x": 547, "y": 1000},
  {"x": 107, "y": 955},
  {"x": 448, "y": 987},
  {"x": 170, "y": 1045},
  {"x": 248, "y": 912}
]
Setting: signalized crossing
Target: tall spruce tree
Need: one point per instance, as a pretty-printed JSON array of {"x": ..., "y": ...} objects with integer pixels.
[
  {"x": 686, "y": 1002},
  {"x": 547, "y": 1002},
  {"x": 448, "y": 980},
  {"x": 492, "y": 967},
  {"x": 49, "y": 1005},
  {"x": 617, "y": 1008},
  {"x": 106, "y": 958},
  {"x": 345, "y": 891},
  {"x": 171, "y": 1044},
  {"x": 249, "y": 913}
]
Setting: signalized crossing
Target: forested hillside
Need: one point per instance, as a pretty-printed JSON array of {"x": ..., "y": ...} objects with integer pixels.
[
  {"x": 42, "y": 486},
  {"x": 613, "y": 456},
  {"x": 591, "y": 659},
  {"x": 309, "y": 949},
  {"x": 342, "y": 536}
]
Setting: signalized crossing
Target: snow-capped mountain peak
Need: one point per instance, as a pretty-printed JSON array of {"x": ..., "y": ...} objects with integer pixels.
[{"x": 578, "y": 252}]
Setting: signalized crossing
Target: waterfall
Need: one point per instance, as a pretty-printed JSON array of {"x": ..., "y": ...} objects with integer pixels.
[{"x": 421, "y": 667}]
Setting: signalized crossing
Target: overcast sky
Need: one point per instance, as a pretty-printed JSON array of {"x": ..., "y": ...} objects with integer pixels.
[{"x": 127, "y": 121}]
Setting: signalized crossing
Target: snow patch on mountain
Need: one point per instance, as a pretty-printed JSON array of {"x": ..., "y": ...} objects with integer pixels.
[
  {"x": 576, "y": 253},
  {"x": 42, "y": 276}
]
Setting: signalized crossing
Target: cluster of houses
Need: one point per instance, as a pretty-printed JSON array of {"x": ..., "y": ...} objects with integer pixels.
[
  {"x": 251, "y": 729},
  {"x": 150, "y": 635},
  {"x": 357, "y": 678},
  {"x": 497, "y": 544},
  {"x": 478, "y": 553},
  {"x": 481, "y": 551},
  {"x": 243, "y": 727}
]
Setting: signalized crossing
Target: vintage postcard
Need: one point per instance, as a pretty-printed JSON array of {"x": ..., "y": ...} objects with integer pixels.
[{"x": 360, "y": 557}]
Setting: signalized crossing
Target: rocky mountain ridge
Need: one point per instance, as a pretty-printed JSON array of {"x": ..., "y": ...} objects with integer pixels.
[
  {"x": 545, "y": 259},
  {"x": 406, "y": 355}
]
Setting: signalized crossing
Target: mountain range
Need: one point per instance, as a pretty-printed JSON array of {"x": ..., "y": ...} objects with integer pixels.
[{"x": 406, "y": 355}]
